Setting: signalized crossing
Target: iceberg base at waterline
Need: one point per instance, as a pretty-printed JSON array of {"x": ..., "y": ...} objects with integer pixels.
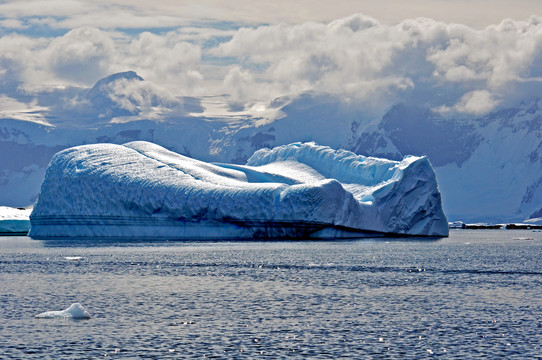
[{"x": 297, "y": 191}]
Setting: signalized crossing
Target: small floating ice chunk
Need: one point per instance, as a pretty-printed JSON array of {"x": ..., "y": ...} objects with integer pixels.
[
  {"x": 75, "y": 311},
  {"x": 14, "y": 220}
]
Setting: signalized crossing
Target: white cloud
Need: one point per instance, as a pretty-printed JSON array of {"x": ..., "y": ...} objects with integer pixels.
[
  {"x": 120, "y": 18},
  {"x": 60, "y": 8},
  {"x": 420, "y": 60},
  {"x": 242, "y": 87},
  {"x": 132, "y": 95},
  {"x": 139, "y": 13},
  {"x": 497, "y": 55},
  {"x": 12, "y": 24},
  {"x": 84, "y": 55},
  {"x": 12, "y": 108},
  {"x": 346, "y": 55},
  {"x": 81, "y": 56},
  {"x": 17, "y": 60},
  {"x": 476, "y": 102},
  {"x": 164, "y": 59}
]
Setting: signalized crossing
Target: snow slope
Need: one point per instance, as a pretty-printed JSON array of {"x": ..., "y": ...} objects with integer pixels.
[{"x": 140, "y": 189}]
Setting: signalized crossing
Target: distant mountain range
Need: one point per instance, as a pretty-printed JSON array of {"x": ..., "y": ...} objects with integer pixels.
[{"x": 489, "y": 168}]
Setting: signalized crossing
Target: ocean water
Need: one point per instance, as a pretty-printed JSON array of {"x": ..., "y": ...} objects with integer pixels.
[{"x": 474, "y": 295}]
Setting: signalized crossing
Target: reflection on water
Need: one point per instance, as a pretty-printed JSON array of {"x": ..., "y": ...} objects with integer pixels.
[{"x": 473, "y": 295}]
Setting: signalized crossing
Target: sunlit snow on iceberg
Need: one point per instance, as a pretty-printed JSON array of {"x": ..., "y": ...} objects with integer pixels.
[
  {"x": 300, "y": 190},
  {"x": 75, "y": 311},
  {"x": 14, "y": 221}
]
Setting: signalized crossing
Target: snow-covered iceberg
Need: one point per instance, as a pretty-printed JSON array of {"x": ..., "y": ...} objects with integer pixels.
[
  {"x": 76, "y": 311},
  {"x": 300, "y": 190},
  {"x": 14, "y": 221}
]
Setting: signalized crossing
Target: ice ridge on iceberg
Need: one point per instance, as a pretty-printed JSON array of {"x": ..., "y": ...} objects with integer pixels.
[{"x": 300, "y": 190}]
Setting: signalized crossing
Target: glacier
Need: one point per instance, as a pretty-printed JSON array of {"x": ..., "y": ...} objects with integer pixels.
[{"x": 296, "y": 191}]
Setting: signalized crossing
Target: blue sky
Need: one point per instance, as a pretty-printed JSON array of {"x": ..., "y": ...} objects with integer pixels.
[{"x": 466, "y": 57}]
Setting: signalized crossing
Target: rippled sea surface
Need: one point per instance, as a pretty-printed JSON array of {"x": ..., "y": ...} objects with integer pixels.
[{"x": 476, "y": 294}]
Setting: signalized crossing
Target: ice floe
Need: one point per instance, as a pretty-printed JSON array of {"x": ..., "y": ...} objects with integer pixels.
[{"x": 75, "y": 311}]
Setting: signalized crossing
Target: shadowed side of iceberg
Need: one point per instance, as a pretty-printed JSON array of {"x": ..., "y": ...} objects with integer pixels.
[
  {"x": 395, "y": 197},
  {"x": 143, "y": 190}
]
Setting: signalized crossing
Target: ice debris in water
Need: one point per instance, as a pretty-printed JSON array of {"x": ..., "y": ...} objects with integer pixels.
[
  {"x": 73, "y": 258},
  {"x": 75, "y": 311},
  {"x": 300, "y": 190}
]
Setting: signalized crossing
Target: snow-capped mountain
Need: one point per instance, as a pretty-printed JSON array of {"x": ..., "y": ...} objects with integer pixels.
[{"x": 489, "y": 168}]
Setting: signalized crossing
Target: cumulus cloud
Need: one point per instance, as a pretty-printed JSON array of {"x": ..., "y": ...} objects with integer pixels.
[
  {"x": 476, "y": 102},
  {"x": 165, "y": 59},
  {"x": 81, "y": 56},
  {"x": 497, "y": 55},
  {"x": 447, "y": 66},
  {"x": 84, "y": 55},
  {"x": 121, "y": 97},
  {"x": 135, "y": 96},
  {"x": 239, "y": 83},
  {"x": 17, "y": 58},
  {"x": 430, "y": 62},
  {"x": 347, "y": 55}
]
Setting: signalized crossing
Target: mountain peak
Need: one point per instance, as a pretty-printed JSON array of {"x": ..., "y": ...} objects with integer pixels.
[
  {"x": 127, "y": 75},
  {"x": 100, "y": 94}
]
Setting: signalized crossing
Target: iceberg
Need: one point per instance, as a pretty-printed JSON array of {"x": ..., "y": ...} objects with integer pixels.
[
  {"x": 75, "y": 311},
  {"x": 296, "y": 191},
  {"x": 14, "y": 221}
]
